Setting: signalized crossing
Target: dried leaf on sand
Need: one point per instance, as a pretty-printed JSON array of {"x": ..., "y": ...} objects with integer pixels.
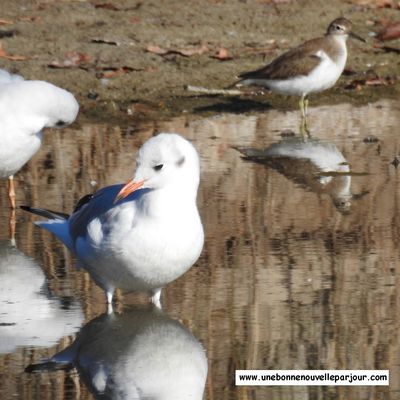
[
  {"x": 186, "y": 52},
  {"x": 73, "y": 59},
  {"x": 223, "y": 55},
  {"x": 4, "y": 54},
  {"x": 390, "y": 32}
]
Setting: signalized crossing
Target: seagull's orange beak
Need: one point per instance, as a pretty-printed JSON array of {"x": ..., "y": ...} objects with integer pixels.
[{"x": 129, "y": 188}]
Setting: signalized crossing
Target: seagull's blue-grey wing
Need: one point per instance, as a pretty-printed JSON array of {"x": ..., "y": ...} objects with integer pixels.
[{"x": 96, "y": 206}]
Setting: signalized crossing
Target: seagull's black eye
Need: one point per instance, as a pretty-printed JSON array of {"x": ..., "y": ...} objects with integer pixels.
[
  {"x": 158, "y": 167},
  {"x": 181, "y": 161},
  {"x": 60, "y": 123}
]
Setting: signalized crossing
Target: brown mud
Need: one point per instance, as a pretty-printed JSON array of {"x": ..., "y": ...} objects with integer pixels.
[{"x": 114, "y": 76}]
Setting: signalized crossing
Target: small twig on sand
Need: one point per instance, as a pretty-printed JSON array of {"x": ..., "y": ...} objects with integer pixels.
[{"x": 199, "y": 89}]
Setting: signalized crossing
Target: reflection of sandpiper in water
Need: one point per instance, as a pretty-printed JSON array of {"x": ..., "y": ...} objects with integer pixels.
[
  {"x": 29, "y": 316},
  {"x": 140, "y": 354},
  {"x": 313, "y": 164}
]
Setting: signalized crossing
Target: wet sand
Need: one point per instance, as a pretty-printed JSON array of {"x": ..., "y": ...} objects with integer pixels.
[{"x": 118, "y": 78}]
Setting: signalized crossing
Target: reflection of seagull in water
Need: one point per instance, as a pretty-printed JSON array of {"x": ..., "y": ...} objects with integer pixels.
[
  {"x": 140, "y": 354},
  {"x": 26, "y": 108},
  {"x": 29, "y": 316},
  {"x": 314, "y": 164},
  {"x": 144, "y": 240}
]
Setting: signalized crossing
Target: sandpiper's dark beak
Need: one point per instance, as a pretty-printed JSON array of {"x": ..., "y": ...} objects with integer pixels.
[{"x": 355, "y": 36}]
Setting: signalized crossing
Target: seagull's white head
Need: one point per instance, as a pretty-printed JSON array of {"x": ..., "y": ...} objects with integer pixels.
[
  {"x": 42, "y": 104},
  {"x": 58, "y": 105},
  {"x": 165, "y": 161}
]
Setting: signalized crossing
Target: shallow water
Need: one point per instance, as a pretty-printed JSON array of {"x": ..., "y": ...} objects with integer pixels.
[{"x": 299, "y": 268}]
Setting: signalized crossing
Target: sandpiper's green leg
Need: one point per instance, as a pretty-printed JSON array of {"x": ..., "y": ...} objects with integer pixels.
[
  {"x": 303, "y": 129},
  {"x": 303, "y": 108},
  {"x": 301, "y": 104}
]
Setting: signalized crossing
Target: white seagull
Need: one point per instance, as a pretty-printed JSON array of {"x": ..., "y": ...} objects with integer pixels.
[
  {"x": 141, "y": 236},
  {"x": 26, "y": 108}
]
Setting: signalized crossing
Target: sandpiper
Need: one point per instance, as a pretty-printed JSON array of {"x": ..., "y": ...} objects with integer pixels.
[{"x": 311, "y": 67}]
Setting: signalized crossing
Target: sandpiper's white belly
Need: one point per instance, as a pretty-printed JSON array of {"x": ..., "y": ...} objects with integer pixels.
[{"x": 323, "y": 77}]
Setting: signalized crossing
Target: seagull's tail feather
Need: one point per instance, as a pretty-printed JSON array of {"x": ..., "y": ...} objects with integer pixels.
[
  {"x": 62, "y": 360},
  {"x": 46, "y": 213},
  {"x": 59, "y": 228},
  {"x": 56, "y": 224},
  {"x": 48, "y": 365}
]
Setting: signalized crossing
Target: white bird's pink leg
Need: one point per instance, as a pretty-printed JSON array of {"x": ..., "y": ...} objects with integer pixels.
[
  {"x": 11, "y": 223},
  {"x": 11, "y": 191}
]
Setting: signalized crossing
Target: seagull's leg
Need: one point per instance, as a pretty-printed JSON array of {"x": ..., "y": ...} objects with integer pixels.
[
  {"x": 110, "y": 294},
  {"x": 11, "y": 191},
  {"x": 11, "y": 196},
  {"x": 11, "y": 223},
  {"x": 156, "y": 298}
]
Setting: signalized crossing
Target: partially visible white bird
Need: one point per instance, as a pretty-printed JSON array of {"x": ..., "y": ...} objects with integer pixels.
[
  {"x": 29, "y": 315},
  {"x": 144, "y": 235},
  {"x": 137, "y": 355},
  {"x": 26, "y": 108}
]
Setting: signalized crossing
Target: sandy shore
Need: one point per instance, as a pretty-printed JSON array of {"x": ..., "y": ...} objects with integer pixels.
[{"x": 132, "y": 58}]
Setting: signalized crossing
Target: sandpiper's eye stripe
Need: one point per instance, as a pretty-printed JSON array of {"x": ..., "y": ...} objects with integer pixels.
[{"x": 158, "y": 167}]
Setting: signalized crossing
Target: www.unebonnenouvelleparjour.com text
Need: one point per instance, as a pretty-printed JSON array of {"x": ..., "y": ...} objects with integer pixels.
[{"x": 312, "y": 377}]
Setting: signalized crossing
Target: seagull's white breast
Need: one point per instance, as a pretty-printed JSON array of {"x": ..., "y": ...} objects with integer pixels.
[{"x": 133, "y": 251}]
